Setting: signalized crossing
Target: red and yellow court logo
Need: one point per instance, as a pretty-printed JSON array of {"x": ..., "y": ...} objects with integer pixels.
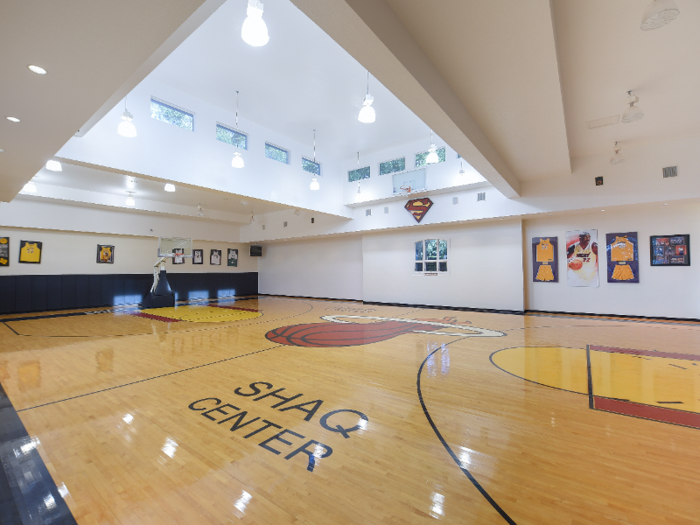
[
  {"x": 418, "y": 208},
  {"x": 353, "y": 330},
  {"x": 199, "y": 314}
]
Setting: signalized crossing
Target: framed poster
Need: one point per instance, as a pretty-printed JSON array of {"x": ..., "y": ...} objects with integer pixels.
[
  {"x": 545, "y": 260},
  {"x": 179, "y": 256},
  {"x": 215, "y": 257},
  {"x": 232, "y": 257},
  {"x": 105, "y": 254},
  {"x": 582, "y": 258},
  {"x": 670, "y": 250},
  {"x": 197, "y": 256},
  {"x": 4, "y": 251},
  {"x": 623, "y": 257},
  {"x": 30, "y": 252}
]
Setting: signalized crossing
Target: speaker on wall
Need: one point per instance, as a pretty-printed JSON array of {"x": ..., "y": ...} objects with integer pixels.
[{"x": 255, "y": 250}]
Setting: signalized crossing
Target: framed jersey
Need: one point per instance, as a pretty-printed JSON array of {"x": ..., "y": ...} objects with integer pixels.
[
  {"x": 623, "y": 257},
  {"x": 545, "y": 264},
  {"x": 4, "y": 251},
  {"x": 105, "y": 254},
  {"x": 30, "y": 252}
]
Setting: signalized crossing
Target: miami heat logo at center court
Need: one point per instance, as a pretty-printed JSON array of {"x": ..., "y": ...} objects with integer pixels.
[{"x": 353, "y": 330}]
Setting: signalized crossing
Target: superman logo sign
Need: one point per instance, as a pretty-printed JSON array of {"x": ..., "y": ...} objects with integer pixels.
[{"x": 418, "y": 208}]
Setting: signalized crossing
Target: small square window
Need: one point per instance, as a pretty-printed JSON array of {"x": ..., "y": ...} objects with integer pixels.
[
  {"x": 358, "y": 174},
  {"x": 392, "y": 166},
  {"x": 419, "y": 267},
  {"x": 276, "y": 153},
  {"x": 172, "y": 115},
  {"x": 231, "y": 136},
  {"x": 443, "y": 266},
  {"x": 431, "y": 267},
  {"x": 310, "y": 166}
]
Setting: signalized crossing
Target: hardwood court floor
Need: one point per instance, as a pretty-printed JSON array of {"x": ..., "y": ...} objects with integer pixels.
[{"x": 463, "y": 417}]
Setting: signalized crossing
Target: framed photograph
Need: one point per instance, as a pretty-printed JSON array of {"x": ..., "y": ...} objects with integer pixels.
[
  {"x": 30, "y": 252},
  {"x": 105, "y": 254},
  {"x": 197, "y": 256},
  {"x": 545, "y": 262},
  {"x": 670, "y": 250},
  {"x": 215, "y": 257},
  {"x": 179, "y": 256},
  {"x": 232, "y": 257},
  {"x": 582, "y": 258},
  {"x": 4, "y": 251},
  {"x": 622, "y": 252}
]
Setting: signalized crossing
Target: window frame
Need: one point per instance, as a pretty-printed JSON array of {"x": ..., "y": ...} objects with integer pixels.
[
  {"x": 320, "y": 168},
  {"x": 426, "y": 151},
  {"x": 358, "y": 169},
  {"x": 437, "y": 261},
  {"x": 273, "y": 145},
  {"x": 234, "y": 130},
  {"x": 162, "y": 102},
  {"x": 379, "y": 166}
]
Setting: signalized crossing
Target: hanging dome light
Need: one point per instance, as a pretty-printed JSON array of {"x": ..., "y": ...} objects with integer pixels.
[
  {"x": 432, "y": 157},
  {"x": 359, "y": 188},
  {"x": 54, "y": 165},
  {"x": 461, "y": 167},
  {"x": 29, "y": 187},
  {"x": 617, "y": 158},
  {"x": 237, "y": 160},
  {"x": 633, "y": 112},
  {"x": 170, "y": 188},
  {"x": 254, "y": 30},
  {"x": 658, "y": 14},
  {"x": 130, "y": 200},
  {"x": 314, "y": 186},
  {"x": 367, "y": 114},
  {"x": 126, "y": 127}
]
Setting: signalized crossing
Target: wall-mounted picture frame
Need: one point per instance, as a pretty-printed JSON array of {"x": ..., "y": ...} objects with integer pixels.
[
  {"x": 232, "y": 259},
  {"x": 197, "y": 256},
  {"x": 622, "y": 254},
  {"x": 30, "y": 252},
  {"x": 4, "y": 251},
  {"x": 105, "y": 254},
  {"x": 215, "y": 257},
  {"x": 545, "y": 262},
  {"x": 179, "y": 256},
  {"x": 670, "y": 250}
]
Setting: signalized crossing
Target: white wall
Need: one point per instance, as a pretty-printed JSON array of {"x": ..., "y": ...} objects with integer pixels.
[
  {"x": 325, "y": 268},
  {"x": 76, "y": 253},
  {"x": 661, "y": 292},
  {"x": 484, "y": 262}
]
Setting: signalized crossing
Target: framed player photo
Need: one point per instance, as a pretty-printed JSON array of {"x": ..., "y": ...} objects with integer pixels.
[
  {"x": 232, "y": 257},
  {"x": 582, "y": 258},
  {"x": 4, "y": 251},
  {"x": 622, "y": 252},
  {"x": 30, "y": 252},
  {"x": 215, "y": 257},
  {"x": 670, "y": 250},
  {"x": 197, "y": 256},
  {"x": 105, "y": 254},
  {"x": 179, "y": 256},
  {"x": 545, "y": 262}
]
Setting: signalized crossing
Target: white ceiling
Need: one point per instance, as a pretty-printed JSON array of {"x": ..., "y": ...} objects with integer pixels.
[{"x": 300, "y": 81}]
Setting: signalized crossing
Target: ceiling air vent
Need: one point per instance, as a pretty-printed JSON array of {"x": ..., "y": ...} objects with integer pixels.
[
  {"x": 671, "y": 171},
  {"x": 607, "y": 121},
  {"x": 481, "y": 196}
]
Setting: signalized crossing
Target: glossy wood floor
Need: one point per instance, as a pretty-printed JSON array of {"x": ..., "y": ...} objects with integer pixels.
[{"x": 436, "y": 421}]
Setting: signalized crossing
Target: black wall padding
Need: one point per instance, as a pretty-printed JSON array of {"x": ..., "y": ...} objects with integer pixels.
[{"x": 38, "y": 293}]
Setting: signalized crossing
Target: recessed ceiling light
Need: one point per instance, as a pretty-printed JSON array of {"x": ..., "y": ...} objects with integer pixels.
[
  {"x": 36, "y": 69},
  {"x": 170, "y": 188},
  {"x": 130, "y": 199},
  {"x": 602, "y": 210},
  {"x": 12, "y": 119},
  {"x": 665, "y": 203},
  {"x": 54, "y": 165},
  {"x": 29, "y": 187}
]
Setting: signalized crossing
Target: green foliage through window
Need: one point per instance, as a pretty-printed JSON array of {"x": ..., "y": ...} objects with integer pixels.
[
  {"x": 358, "y": 174},
  {"x": 419, "y": 251},
  {"x": 310, "y": 166},
  {"x": 431, "y": 256},
  {"x": 171, "y": 115},
  {"x": 275, "y": 153},
  {"x": 231, "y": 136},
  {"x": 420, "y": 157},
  {"x": 392, "y": 166}
]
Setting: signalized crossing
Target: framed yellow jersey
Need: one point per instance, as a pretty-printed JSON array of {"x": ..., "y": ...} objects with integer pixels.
[
  {"x": 30, "y": 252},
  {"x": 105, "y": 254},
  {"x": 544, "y": 260},
  {"x": 622, "y": 251}
]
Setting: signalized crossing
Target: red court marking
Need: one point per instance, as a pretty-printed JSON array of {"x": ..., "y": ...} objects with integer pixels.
[
  {"x": 235, "y": 308},
  {"x": 664, "y": 415},
  {"x": 670, "y": 355},
  {"x": 156, "y": 317}
]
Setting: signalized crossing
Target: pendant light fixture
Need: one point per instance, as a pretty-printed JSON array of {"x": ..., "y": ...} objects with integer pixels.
[
  {"x": 126, "y": 127},
  {"x": 617, "y": 158},
  {"x": 254, "y": 30},
  {"x": 359, "y": 189},
  {"x": 461, "y": 167},
  {"x": 633, "y": 112},
  {"x": 432, "y": 157},
  {"x": 314, "y": 186},
  {"x": 367, "y": 114},
  {"x": 54, "y": 165},
  {"x": 29, "y": 187},
  {"x": 658, "y": 14},
  {"x": 130, "y": 199},
  {"x": 237, "y": 161}
]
